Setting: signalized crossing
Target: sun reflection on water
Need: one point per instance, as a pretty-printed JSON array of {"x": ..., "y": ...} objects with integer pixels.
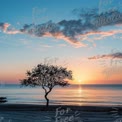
[{"x": 80, "y": 94}]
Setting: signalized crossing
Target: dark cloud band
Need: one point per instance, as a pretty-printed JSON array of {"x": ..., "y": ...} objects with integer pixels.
[
  {"x": 117, "y": 55},
  {"x": 69, "y": 30}
]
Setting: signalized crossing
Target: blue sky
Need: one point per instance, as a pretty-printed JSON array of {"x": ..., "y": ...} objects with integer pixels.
[{"x": 21, "y": 51}]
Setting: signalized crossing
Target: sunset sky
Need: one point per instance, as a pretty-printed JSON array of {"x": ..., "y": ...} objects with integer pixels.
[{"x": 61, "y": 32}]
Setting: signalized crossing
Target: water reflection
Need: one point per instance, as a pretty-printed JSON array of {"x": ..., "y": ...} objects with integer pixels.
[
  {"x": 80, "y": 94},
  {"x": 72, "y": 95}
]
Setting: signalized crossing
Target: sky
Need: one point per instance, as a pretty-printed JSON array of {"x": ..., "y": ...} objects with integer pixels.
[{"x": 85, "y": 38}]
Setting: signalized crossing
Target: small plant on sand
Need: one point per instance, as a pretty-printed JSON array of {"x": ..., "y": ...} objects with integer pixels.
[{"x": 47, "y": 76}]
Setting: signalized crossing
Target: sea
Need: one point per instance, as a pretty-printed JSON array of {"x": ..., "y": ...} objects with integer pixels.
[{"x": 81, "y": 95}]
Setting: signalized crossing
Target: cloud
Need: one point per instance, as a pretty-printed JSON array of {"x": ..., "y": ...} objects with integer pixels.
[
  {"x": 13, "y": 32},
  {"x": 74, "y": 32},
  {"x": 62, "y": 30},
  {"x": 96, "y": 19},
  {"x": 117, "y": 55},
  {"x": 46, "y": 46},
  {"x": 98, "y": 35},
  {"x": 4, "y": 26},
  {"x": 62, "y": 45}
]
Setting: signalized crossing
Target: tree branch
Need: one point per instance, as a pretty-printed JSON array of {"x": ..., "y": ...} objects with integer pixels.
[{"x": 44, "y": 89}]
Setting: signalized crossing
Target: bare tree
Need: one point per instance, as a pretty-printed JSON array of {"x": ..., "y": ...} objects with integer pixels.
[{"x": 47, "y": 76}]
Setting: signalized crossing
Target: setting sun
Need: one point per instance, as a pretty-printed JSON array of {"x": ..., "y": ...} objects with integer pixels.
[{"x": 80, "y": 81}]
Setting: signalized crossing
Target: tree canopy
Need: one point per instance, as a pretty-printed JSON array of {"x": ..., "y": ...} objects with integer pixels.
[{"x": 47, "y": 76}]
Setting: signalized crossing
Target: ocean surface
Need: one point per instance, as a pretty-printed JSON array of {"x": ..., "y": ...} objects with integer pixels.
[{"x": 71, "y": 95}]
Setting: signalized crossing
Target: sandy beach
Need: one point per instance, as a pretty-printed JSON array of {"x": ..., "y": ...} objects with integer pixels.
[{"x": 39, "y": 113}]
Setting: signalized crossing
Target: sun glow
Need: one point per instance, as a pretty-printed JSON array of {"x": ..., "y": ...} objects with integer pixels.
[{"x": 79, "y": 81}]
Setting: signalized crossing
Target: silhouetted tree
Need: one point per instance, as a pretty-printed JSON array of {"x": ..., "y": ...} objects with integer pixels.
[{"x": 47, "y": 76}]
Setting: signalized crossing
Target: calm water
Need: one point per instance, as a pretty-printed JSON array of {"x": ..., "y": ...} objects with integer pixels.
[{"x": 72, "y": 95}]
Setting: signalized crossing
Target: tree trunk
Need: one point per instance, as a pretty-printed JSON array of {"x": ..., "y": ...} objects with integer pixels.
[
  {"x": 47, "y": 104},
  {"x": 46, "y": 94}
]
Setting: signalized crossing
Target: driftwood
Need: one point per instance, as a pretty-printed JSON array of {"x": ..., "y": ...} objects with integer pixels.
[{"x": 3, "y": 99}]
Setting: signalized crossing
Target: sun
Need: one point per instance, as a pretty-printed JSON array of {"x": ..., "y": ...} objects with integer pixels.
[{"x": 79, "y": 81}]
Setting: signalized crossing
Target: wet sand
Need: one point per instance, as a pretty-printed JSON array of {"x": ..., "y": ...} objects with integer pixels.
[{"x": 55, "y": 113}]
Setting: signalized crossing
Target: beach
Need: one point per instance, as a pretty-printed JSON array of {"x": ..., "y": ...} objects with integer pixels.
[
  {"x": 86, "y": 103},
  {"x": 56, "y": 113}
]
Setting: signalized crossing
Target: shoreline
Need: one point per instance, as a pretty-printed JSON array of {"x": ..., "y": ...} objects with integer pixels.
[{"x": 37, "y": 107}]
